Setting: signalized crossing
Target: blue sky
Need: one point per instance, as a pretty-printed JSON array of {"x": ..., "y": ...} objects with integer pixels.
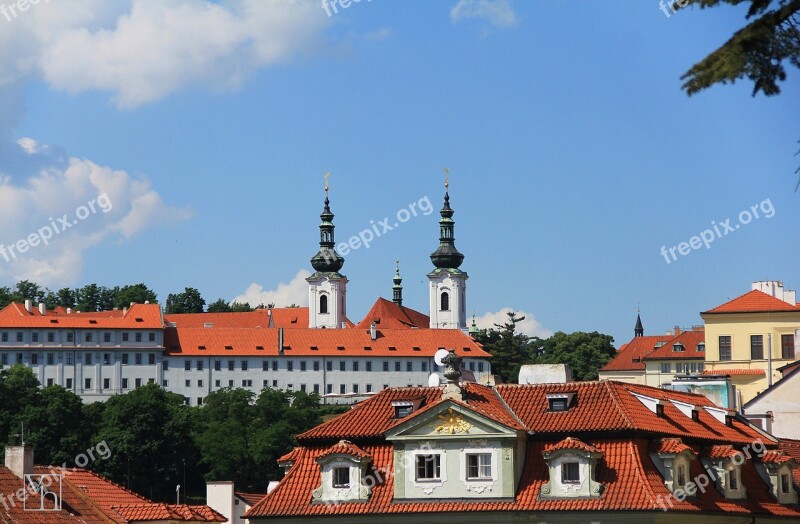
[{"x": 574, "y": 155}]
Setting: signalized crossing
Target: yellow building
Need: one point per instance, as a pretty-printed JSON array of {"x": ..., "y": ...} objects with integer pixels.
[{"x": 751, "y": 336}]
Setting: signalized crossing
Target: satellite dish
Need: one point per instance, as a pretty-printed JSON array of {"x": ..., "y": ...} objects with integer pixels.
[
  {"x": 439, "y": 356},
  {"x": 434, "y": 380}
]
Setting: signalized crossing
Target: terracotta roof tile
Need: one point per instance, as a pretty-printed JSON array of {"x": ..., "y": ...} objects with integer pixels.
[
  {"x": 629, "y": 356},
  {"x": 290, "y": 317},
  {"x": 733, "y": 372},
  {"x": 251, "y": 499},
  {"x": 170, "y": 512},
  {"x": 753, "y": 302},
  {"x": 139, "y": 316},
  {"x": 671, "y": 445},
  {"x": 722, "y": 451},
  {"x": 199, "y": 341},
  {"x": 690, "y": 340},
  {"x": 570, "y": 443},
  {"x": 774, "y": 456},
  {"x": 792, "y": 448},
  {"x": 345, "y": 447},
  {"x": 388, "y": 315}
]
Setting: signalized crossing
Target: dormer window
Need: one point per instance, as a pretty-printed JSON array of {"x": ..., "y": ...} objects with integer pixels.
[
  {"x": 701, "y": 346},
  {"x": 727, "y": 463},
  {"x": 570, "y": 472},
  {"x": 681, "y": 477},
  {"x": 678, "y": 348},
  {"x": 777, "y": 466},
  {"x": 673, "y": 459},
  {"x": 343, "y": 469},
  {"x": 403, "y": 408},
  {"x": 559, "y": 401},
  {"x": 341, "y": 477},
  {"x": 572, "y": 466}
]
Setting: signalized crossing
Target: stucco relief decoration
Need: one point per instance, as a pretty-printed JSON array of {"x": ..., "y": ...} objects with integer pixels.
[{"x": 452, "y": 423}]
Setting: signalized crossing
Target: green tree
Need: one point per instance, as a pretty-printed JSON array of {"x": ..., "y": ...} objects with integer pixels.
[
  {"x": 5, "y": 296},
  {"x": 65, "y": 297},
  {"x": 89, "y": 298},
  {"x": 757, "y": 51},
  {"x": 508, "y": 348},
  {"x": 585, "y": 353},
  {"x": 149, "y": 434},
  {"x": 54, "y": 426},
  {"x": 27, "y": 290},
  {"x": 190, "y": 301},
  {"x": 241, "y": 307},
  {"x": 136, "y": 293},
  {"x": 219, "y": 306}
]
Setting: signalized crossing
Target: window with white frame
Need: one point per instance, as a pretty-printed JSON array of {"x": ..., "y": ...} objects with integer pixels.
[
  {"x": 429, "y": 467},
  {"x": 479, "y": 466}
]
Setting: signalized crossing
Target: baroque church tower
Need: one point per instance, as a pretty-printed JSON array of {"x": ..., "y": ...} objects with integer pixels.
[
  {"x": 448, "y": 284},
  {"x": 327, "y": 288}
]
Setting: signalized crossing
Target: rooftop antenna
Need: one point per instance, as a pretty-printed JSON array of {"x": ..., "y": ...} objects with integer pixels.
[{"x": 178, "y": 493}]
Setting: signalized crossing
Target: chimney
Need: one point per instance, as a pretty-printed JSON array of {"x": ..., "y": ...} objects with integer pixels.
[
  {"x": 29, "y": 305},
  {"x": 69, "y": 311},
  {"x": 42, "y": 308},
  {"x": 221, "y": 497},
  {"x": 19, "y": 459},
  {"x": 124, "y": 311},
  {"x": 373, "y": 331},
  {"x": 677, "y": 330}
]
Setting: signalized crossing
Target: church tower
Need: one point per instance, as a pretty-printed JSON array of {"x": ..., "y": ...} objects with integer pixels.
[
  {"x": 448, "y": 284},
  {"x": 327, "y": 288}
]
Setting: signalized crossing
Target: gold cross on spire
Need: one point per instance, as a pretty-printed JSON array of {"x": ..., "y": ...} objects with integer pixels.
[
  {"x": 446, "y": 172},
  {"x": 327, "y": 175}
]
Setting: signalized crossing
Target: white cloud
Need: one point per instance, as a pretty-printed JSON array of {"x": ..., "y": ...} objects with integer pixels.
[
  {"x": 498, "y": 13},
  {"x": 530, "y": 326},
  {"x": 286, "y": 294},
  {"x": 143, "y": 50},
  {"x": 98, "y": 203}
]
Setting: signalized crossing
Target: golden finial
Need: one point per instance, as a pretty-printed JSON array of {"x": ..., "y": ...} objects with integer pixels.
[
  {"x": 327, "y": 176},
  {"x": 446, "y": 172}
]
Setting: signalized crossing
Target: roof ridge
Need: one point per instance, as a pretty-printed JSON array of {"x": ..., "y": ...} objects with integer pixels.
[
  {"x": 648, "y": 489},
  {"x": 508, "y": 408},
  {"x": 613, "y": 394},
  {"x": 84, "y": 496}
]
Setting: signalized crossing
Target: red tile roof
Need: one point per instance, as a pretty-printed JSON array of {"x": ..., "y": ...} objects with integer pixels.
[
  {"x": 375, "y": 416},
  {"x": 792, "y": 448},
  {"x": 631, "y": 480},
  {"x": 289, "y": 457},
  {"x": 98, "y": 500},
  {"x": 139, "y": 316},
  {"x": 774, "y": 456},
  {"x": 732, "y": 372},
  {"x": 251, "y": 499},
  {"x": 671, "y": 445},
  {"x": 198, "y": 341},
  {"x": 388, "y": 315},
  {"x": 170, "y": 512},
  {"x": 688, "y": 339},
  {"x": 345, "y": 447},
  {"x": 753, "y": 302},
  {"x": 290, "y": 317},
  {"x": 609, "y": 417},
  {"x": 570, "y": 443},
  {"x": 722, "y": 451},
  {"x": 630, "y": 356}
]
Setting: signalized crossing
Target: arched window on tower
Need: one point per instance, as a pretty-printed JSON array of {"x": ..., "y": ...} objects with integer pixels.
[
  {"x": 323, "y": 303},
  {"x": 445, "y": 301}
]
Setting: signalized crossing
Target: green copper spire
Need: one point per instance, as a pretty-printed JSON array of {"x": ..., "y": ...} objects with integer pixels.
[
  {"x": 397, "y": 288},
  {"x": 327, "y": 260},
  {"x": 447, "y": 255}
]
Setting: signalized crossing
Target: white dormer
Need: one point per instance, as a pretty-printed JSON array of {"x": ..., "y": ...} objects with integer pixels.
[
  {"x": 674, "y": 459},
  {"x": 343, "y": 471},
  {"x": 726, "y": 463},
  {"x": 778, "y": 467},
  {"x": 572, "y": 466}
]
